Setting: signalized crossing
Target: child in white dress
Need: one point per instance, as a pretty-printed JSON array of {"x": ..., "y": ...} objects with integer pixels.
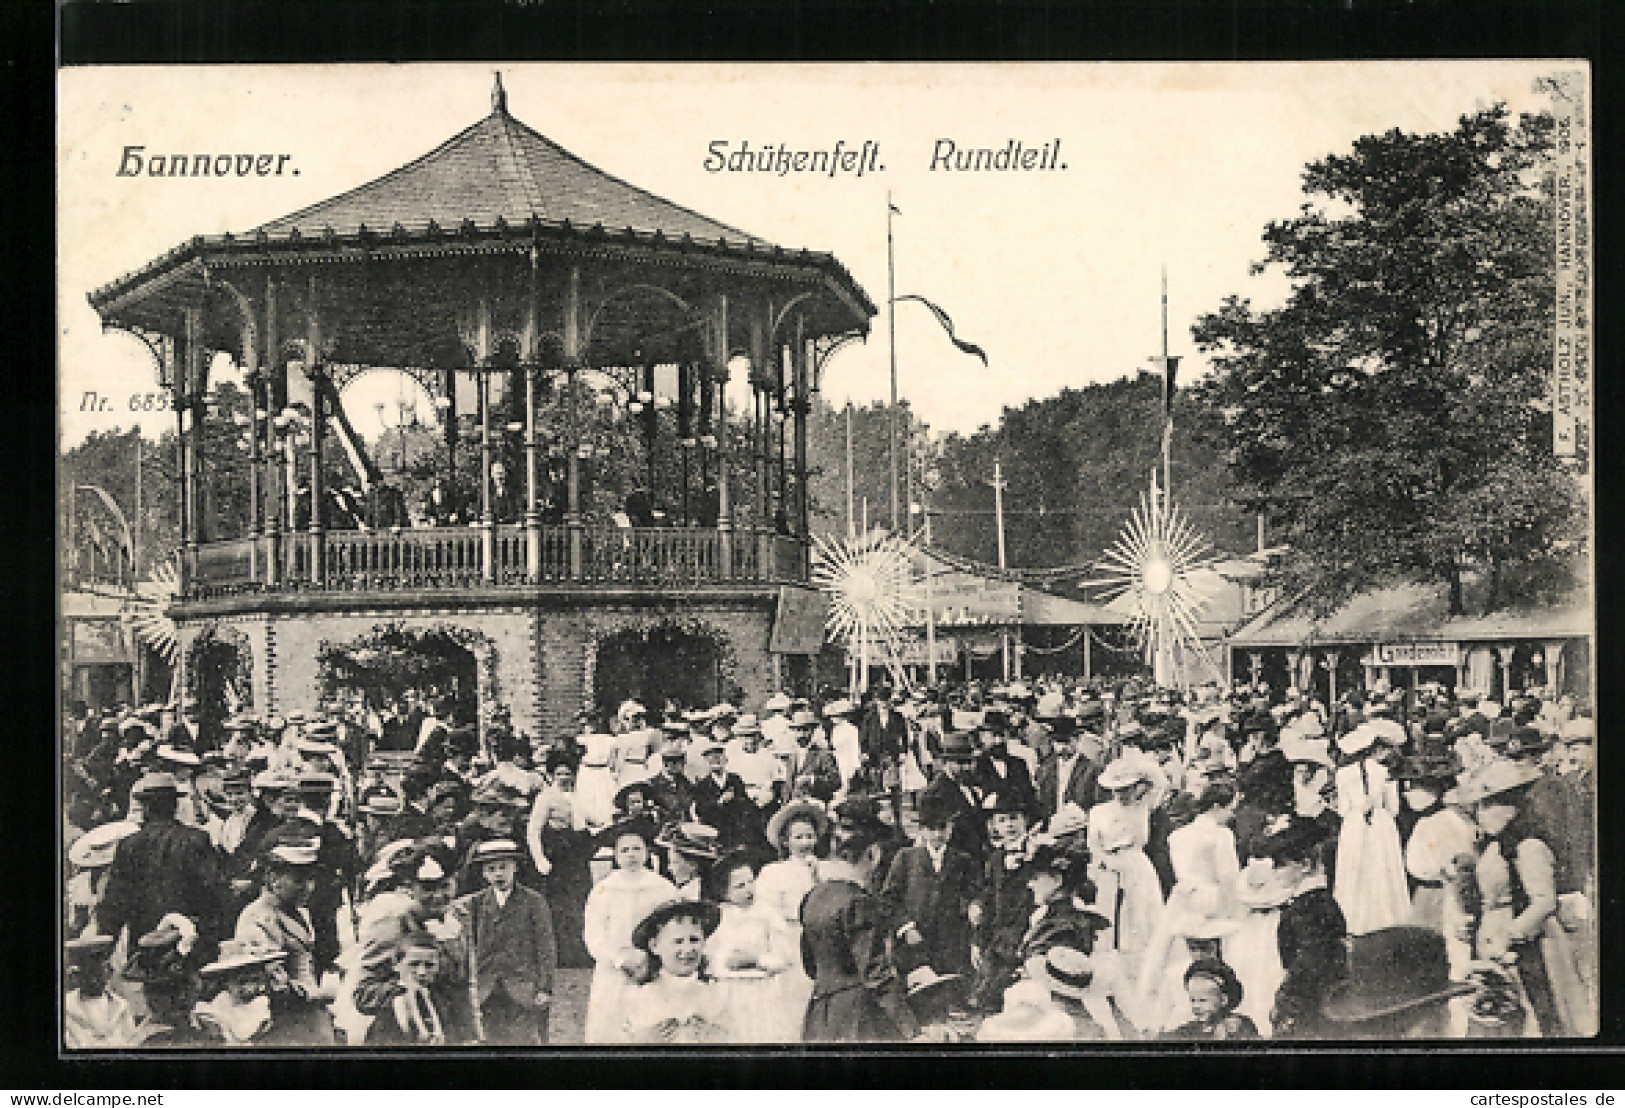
[
  {"x": 744, "y": 956},
  {"x": 679, "y": 1003},
  {"x": 614, "y": 908}
]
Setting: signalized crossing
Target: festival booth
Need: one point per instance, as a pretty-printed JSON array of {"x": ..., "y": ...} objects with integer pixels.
[
  {"x": 648, "y": 537},
  {"x": 1404, "y": 635}
]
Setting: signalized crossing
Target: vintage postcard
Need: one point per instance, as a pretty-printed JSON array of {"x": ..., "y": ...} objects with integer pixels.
[{"x": 633, "y": 555}]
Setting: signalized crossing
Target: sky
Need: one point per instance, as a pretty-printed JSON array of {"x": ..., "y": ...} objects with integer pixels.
[{"x": 1057, "y": 275}]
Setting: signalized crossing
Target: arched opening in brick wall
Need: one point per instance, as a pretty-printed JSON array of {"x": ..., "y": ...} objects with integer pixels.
[
  {"x": 399, "y": 671},
  {"x": 654, "y": 664},
  {"x": 220, "y": 674}
]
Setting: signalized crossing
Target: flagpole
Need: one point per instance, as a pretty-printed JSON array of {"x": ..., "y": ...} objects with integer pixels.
[
  {"x": 1167, "y": 399},
  {"x": 851, "y": 517},
  {"x": 891, "y": 326}
]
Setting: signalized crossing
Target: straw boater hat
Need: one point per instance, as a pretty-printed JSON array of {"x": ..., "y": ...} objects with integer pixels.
[
  {"x": 495, "y": 850},
  {"x": 837, "y": 708},
  {"x": 778, "y": 702},
  {"x": 96, "y": 847},
  {"x": 1067, "y": 971},
  {"x": 1311, "y": 751},
  {"x": 696, "y": 840},
  {"x": 88, "y": 948},
  {"x": 1391, "y": 971},
  {"x": 238, "y": 954},
  {"x": 1494, "y": 778},
  {"x": 381, "y": 799},
  {"x": 802, "y": 809},
  {"x": 706, "y": 913},
  {"x": 803, "y": 718},
  {"x": 156, "y": 782},
  {"x": 747, "y": 724},
  {"x": 276, "y": 781}
]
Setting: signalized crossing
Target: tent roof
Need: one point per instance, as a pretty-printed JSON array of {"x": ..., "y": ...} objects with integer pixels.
[{"x": 1414, "y": 612}]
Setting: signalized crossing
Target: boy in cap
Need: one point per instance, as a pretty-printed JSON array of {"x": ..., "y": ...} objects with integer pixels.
[
  {"x": 721, "y": 801},
  {"x": 812, "y": 770},
  {"x": 929, "y": 889},
  {"x": 513, "y": 955},
  {"x": 999, "y": 913},
  {"x": 93, "y": 1017}
]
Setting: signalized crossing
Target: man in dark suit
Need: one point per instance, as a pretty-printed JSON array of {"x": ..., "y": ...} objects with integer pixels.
[
  {"x": 720, "y": 800},
  {"x": 512, "y": 953},
  {"x": 950, "y": 791},
  {"x": 166, "y": 867},
  {"x": 670, "y": 791},
  {"x": 1067, "y": 774},
  {"x": 998, "y": 770},
  {"x": 928, "y": 892},
  {"x": 883, "y": 736}
]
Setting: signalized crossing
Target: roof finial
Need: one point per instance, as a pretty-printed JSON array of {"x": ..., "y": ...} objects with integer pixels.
[{"x": 499, "y": 98}]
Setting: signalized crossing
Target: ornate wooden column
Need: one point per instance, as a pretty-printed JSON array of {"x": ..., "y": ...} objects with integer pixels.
[
  {"x": 533, "y": 517},
  {"x": 176, "y": 352},
  {"x": 487, "y": 516},
  {"x": 265, "y": 417},
  {"x": 317, "y": 372},
  {"x": 572, "y": 362},
  {"x": 760, "y": 321},
  {"x": 801, "y": 404},
  {"x": 719, "y": 363},
  {"x": 193, "y": 368}
]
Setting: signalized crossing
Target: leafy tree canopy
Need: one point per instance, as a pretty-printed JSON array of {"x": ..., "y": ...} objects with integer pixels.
[{"x": 1393, "y": 417}]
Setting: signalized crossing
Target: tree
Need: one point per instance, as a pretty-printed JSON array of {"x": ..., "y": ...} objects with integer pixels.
[{"x": 1392, "y": 416}]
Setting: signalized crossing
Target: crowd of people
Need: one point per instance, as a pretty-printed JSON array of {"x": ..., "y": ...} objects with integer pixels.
[{"x": 1054, "y": 862}]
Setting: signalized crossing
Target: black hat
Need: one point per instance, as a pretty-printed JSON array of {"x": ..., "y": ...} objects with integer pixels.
[
  {"x": 1292, "y": 838},
  {"x": 641, "y": 826},
  {"x": 860, "y": 808},
  {"x": 1060, "y": 727},
  {"x": 625, "y": 792},
  {"x": 156, "y": 958},
  {"x": 1003, "y": 800},
  {"x": 1229, "y": 983},
  {"x": 88, "y": 948},
  {"x": 935, "y": 810},
  {"x": 1393, "y": 970},
  {"x": 706, "y": 913}
]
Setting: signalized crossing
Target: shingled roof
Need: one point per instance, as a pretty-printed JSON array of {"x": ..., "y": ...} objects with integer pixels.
[{"x": 500, "y": 169}]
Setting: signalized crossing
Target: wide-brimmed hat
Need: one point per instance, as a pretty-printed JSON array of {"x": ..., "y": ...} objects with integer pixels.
[
  {"x": 1358, "y": 739},
  {"x": 287, "y": 846},
  {"x": 1069, "y": 819},
  {"x": 778, "y": 702},
  {"x": 747, "y": 724},
  {"x": 494, "y": 794},
  {"x": 381, "y": 799},
  {"x": 1126, "y": 770},
  {"x": 804, "y": 808},
  {"x": 837, "y": 708},
  {"x": 178, "y": 753},
  {"x": 803, "y": 718},
  {"x": 276, "y": 780},
  {"x": 96, "y": 847},
  {"x": 706, "y": 913},
  {"x": 1494, "y": 778},
  {"x": 696, "y": 840},
  {"x": 236, "y": 954},
  {"x": 495, "y": 850},
  {"x": 1306, "y": 750},
  {"x": 1521, "y": 742},
  {"x": 1067, "y": 971},
  {"x": 87, "y": 948},
  {"x": 156, "y": 781},
  {"x": 447, "y": 789},
  {"x": 630, "y": 708},
  {"x": 1221, "y": 973},
  {"x": 1005, "y": 801},
  {"x": 924, "y": 983},
  {"x": 624, "y": 793},
  {"x": 1391, "y": 971},
  {"x": 156, "y": 958},
  {"x": 859, "y": 808},
  {"x": 641, "y": 826}
]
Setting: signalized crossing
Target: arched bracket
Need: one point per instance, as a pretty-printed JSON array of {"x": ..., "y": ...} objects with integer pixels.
[
  {"x": 158, "y": 344},
  {"x": 826, "y": 347}
]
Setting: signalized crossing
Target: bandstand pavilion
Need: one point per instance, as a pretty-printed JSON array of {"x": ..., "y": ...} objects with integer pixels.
[{"x": 576, "y": 316}]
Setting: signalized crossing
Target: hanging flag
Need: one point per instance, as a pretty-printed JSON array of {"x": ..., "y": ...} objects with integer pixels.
[
  {"x": 948, "y": 326},
  {"x": 893, "y": 207},
  {"x": 1168, "y": 366}
]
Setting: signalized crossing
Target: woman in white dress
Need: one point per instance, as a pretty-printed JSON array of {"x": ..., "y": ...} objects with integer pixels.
[
  {"x": 595, "y": 781},
  {"x": 744, "y": 957},
  {"x": 796, "y": 830},
  {"x": 1253, "y": 951},
  {"x": 1438, "y": 855},
  {"x": 615, "y": 906},
  {"x": 1371, "y": 887},
  {"x": 1129, "y": 893},
  {"x": 678, "y": 1002},
  {"x": 1201, "y": 908}
]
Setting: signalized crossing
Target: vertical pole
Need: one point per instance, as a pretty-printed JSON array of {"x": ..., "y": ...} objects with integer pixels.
[
  {"x": 572, "y": 361},
  {"x": 1167, "y": 398},
  {"x": 1261, "y": 532},
  {"x": 998, "y": 520},
  {"x": 802, "y": 402},
  {"x": 725, "y": 523},
  {"x": 487, "y": 517},
  {"x": 891, "y": 330},
  {"x": 1088, "y": 667},
  {"x": 930, "y": 609},
  {"x": 194, "y": 430},
  {"x": 851, "y": 521},
  {"x": 276, "y": 389},
  {"x": 135, "y": 531},
  {"x": 318, "y": 432},
  {"x": 533, "y": 517},
  {"x": 256, "y": 523}
]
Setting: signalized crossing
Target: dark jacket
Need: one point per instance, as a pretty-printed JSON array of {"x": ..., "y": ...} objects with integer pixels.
[
  {"x": 1233, "y": 1026},
  {"x": 967, "y": 832},
  {"x": 673, "y": 796},
  {"x": 935, "y": 902},
  {"x": 1062, "y": 924},
  {"x": 856, "y": 995},
  {"x": 819, "y": 764},
  {"x": 883, "y": 742},
  {"x": 1310, "y": 940},
  {"x": 1080, "y": 785},
  {"x": 167, "y": 867},
  {"x": 997, "y": 770},
  {"x": 513, "y": 943},
  {"x": 727, "y": 808}
]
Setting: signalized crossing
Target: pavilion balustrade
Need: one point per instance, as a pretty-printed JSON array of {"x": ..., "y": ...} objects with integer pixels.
[{"x": 453, "y": 557}]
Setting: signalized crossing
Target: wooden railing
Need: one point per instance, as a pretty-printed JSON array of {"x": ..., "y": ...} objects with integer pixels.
[{"x": 454, "y": 557}]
